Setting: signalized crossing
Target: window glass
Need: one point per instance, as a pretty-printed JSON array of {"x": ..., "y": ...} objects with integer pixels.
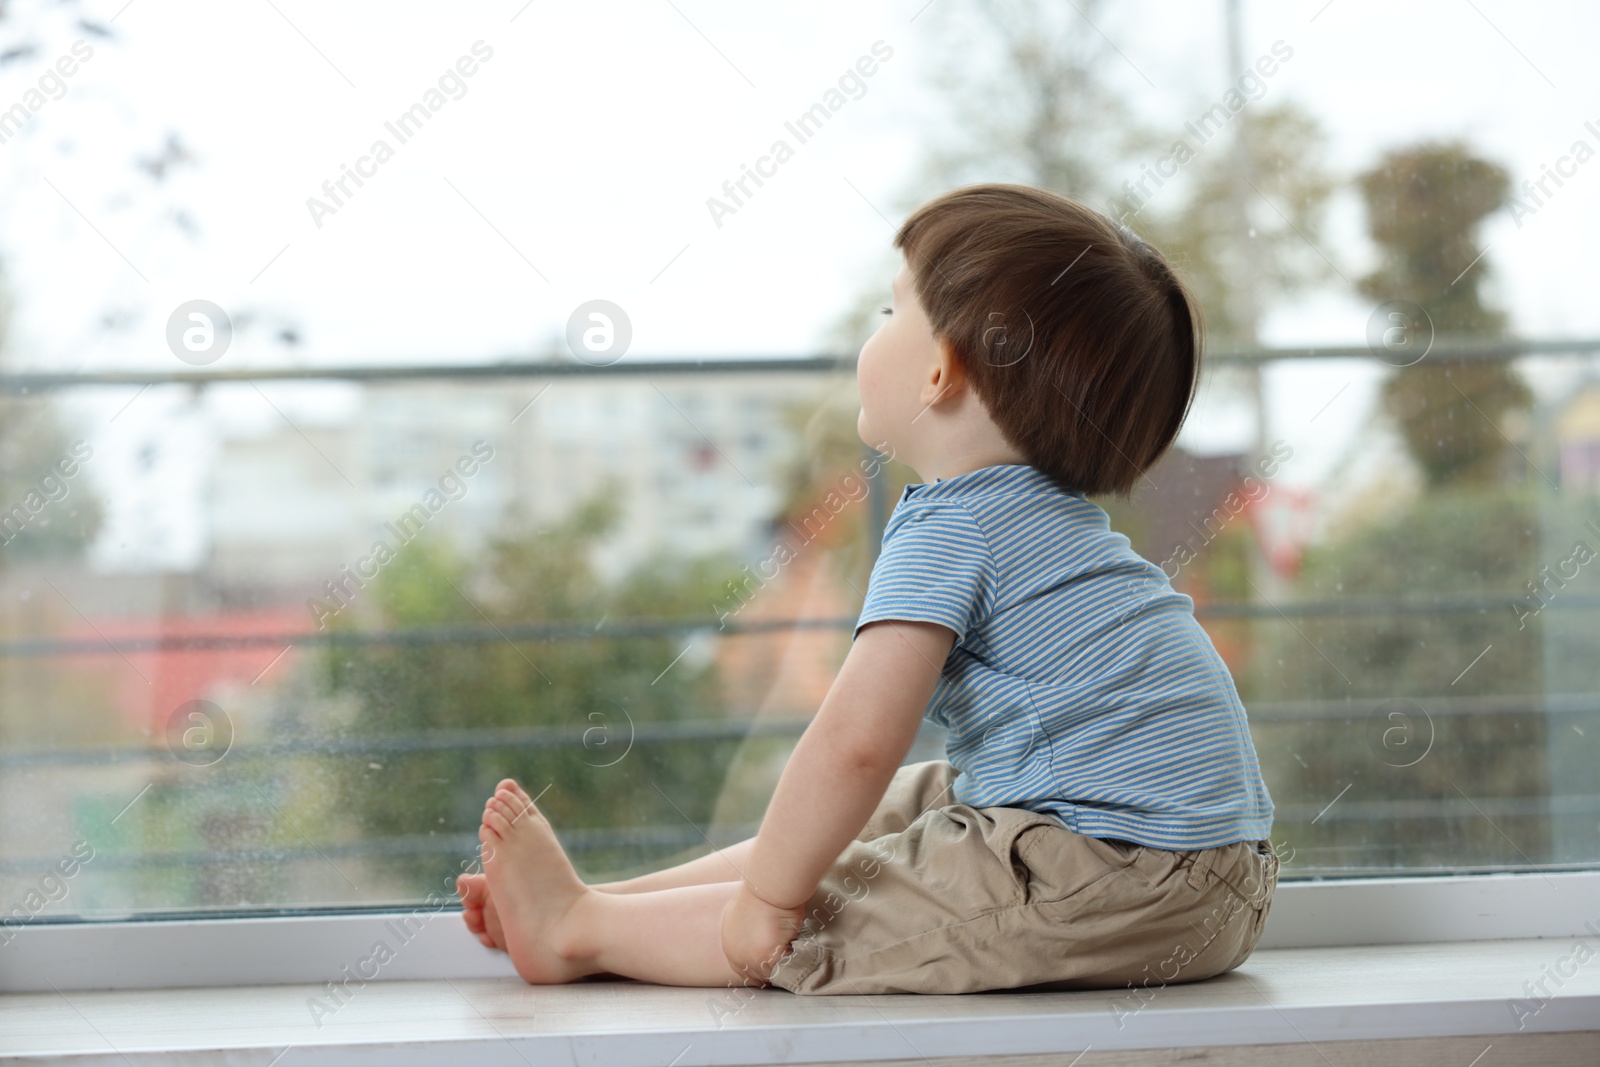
[{"x": 362, "y": 438}]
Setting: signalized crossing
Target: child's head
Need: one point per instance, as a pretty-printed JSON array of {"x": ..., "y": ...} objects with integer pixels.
[{"x": 1076, "y": 336}]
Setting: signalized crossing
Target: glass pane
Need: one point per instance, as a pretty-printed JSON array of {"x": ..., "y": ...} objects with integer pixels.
[
  {"x": 339, "y": 481},
  {"x": 1415, "y": 654},
  {"x": 410, "y": 591}
]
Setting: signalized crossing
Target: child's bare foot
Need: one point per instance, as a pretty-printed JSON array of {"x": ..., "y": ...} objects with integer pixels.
[
  {"x": 533, "y": 886},
  {"x": 478, "y": 910}
]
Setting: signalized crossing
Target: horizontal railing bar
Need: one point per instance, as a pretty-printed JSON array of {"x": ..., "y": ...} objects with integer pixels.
[
  {"x": 1444, "y": 707},
  {"x": 735, "y": 729},
  {"x": 1300, "y": 871},
  {"x": 1413, "y": 808},
  {"x": 555, "y": 631},
  {"x": 585, "y": 840},
  {"x": 29, "y": 381},
  {"x": 26, "y": 381},
  {"x": 562, "y": 631},
  {"x": 1472, "y": 603},
  {"x": 617, "y": 739},
  {"x": 1295, "y": 870},
  {"x": 577, "y": 841}
]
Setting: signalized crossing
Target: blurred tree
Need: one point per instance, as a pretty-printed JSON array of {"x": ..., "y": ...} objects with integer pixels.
[
  {"x": 1472, "y": 534},
  {"x": 1424, "y": 207},
  {"x": 599, "y": 692},
  {"x": 1237, "y": 267},
  {"x": 45, "y": 519},
  {"x": 51, "y": 516},
  {"x": 1032, "y": 99},
  {"x": 1247, "y": 233},
  {"x": 1392, "y": 668},
  {"x": 58, "y": 516}
]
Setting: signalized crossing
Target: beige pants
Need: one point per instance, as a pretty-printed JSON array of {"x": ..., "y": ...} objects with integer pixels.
[{"x": 939, "y": 897}]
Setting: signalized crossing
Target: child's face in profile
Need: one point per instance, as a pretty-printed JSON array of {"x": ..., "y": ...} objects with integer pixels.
[{"x": 892, "y": 366}]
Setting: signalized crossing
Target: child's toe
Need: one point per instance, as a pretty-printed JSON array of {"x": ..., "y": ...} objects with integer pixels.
[
  {"x": 496, "y": 824},
  {"x": 512, "y": 806},
  {"x": 504, "y": 807}
]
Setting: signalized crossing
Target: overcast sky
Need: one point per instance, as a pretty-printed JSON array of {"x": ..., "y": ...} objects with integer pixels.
[{"x": 577, "y": 162}]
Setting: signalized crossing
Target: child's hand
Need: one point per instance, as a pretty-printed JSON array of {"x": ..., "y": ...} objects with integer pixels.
[{"x": 755, "y": 934}]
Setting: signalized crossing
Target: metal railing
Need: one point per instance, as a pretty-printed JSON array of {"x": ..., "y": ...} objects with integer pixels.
[
  {"x": 735, "y": 729},
  {"x": 28, "y": 381}
]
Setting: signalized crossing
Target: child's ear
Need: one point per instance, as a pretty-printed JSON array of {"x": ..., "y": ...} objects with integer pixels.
[{"x": 946, "y": 377}]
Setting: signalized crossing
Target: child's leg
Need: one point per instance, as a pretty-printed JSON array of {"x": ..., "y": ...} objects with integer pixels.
[
  {"x": 917, "y": 788},
  {"x": 478, "y": 909},
  {"x": 558, "y": 930}
]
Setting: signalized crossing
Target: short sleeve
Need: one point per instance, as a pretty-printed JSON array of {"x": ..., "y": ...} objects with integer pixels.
[{"x": 935, "y": 566}]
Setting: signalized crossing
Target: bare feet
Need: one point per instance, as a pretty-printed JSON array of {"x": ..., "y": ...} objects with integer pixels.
[
  {"x": 533, "y": 887},
  {"x": 478, "y": 910}
]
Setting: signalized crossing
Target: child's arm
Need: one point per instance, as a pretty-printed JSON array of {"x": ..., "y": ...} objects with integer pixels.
[{"x": 837, "y": 775}]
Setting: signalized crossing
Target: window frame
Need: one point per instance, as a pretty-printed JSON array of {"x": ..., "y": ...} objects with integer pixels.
[{"x": 318, "y": 948}]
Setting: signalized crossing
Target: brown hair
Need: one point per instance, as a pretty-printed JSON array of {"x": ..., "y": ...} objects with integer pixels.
[{"x": 1077, "y": 336}]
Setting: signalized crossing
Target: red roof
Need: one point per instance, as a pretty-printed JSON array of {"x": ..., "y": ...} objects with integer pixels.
[{"x": 151, "y": 683}]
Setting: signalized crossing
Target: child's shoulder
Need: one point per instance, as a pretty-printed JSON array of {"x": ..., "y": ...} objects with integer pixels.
[{"x": 1016, "y": 514}]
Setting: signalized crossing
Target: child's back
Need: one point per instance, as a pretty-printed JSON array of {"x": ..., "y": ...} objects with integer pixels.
[{"x": 1080, "y": 683}]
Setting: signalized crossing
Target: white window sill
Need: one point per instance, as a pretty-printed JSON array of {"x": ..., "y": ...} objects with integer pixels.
[
  {"x": 1285, "y": 1006},
  {"x": 1404, "y": 970}
]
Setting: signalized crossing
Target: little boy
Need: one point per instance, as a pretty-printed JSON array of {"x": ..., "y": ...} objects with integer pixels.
[{"x": 1101, "y": 819}]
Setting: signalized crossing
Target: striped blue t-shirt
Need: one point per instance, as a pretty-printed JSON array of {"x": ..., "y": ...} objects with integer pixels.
[{"x": 1079, "y": 684}]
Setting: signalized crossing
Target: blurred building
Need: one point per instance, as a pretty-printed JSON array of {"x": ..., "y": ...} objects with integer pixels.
[{"x": 695, "y": 462}]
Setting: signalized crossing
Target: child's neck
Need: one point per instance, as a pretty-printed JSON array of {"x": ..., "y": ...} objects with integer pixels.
[
  {"x": 953, "y": 466},
  {"x": 947, "y": 445}
]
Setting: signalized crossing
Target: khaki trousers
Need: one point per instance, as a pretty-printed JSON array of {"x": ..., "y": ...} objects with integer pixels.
[{"x": 940, "y": 897}]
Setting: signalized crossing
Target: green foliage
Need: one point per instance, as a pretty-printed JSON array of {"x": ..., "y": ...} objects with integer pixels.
[
  {"x": 1388, "y": 666},
  {"x": 59, "y": 518},
  {"x": 1474, "y": 534},
  {"x": 1424, "y": 207},
  {"x": 569, "y": 708},
  {"x": 63, "y": 514},
  {"x": 32, "y": 441},
  {"x": 1448, "y": 544}
]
